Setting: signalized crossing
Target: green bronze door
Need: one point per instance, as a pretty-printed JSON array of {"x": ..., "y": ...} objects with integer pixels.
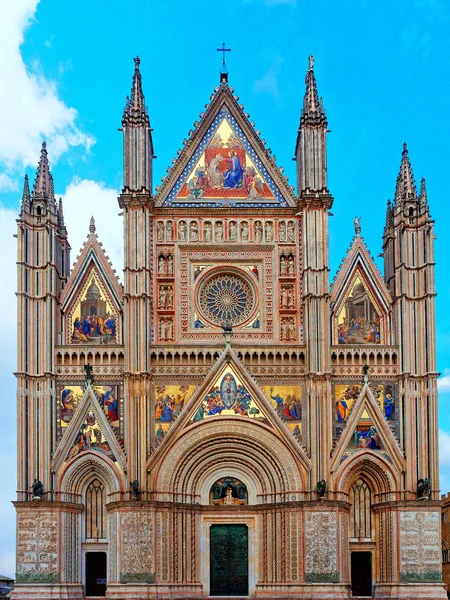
[{"x": 229, "y": 560}]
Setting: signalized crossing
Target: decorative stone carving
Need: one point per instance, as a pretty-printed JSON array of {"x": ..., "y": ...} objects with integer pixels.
[
  {"x": 160, "y": 231},
  {"x": 169, "y": 231},
  {"x": 218, "y": 231},
  {"x": 269, "y": 231},
  {"x": 182, "y": 231},
  {"x": 287, "y": 297},
  {"x": 37, "y": 547},
  {"x": 165, "y": 297},
  {"x": 257, "y": 231},
  {"x": 226, "y": 298},
  {"x": 244, "y": 231},
  {"x": 193, "y": 231},
  {"x": 291, "y": 232},
  {"x": 288, "y": 329},
  {"x": 137, "y": 547},
  {"x": 320, "y": 546},
  {"x": 420, "y": 546},
  {"x": 207, "y": 231},
  {"x": 282, "y": 231},
  {"x": 166, "y": 329},
  {"x": 170, "y": 265},
  {"x": 233, "y": 229}
]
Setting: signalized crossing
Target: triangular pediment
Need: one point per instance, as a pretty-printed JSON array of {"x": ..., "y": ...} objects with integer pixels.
[
  {"x": 229, "y": 391},
  {"x": 361, "y": 302},
  {"x": 92, "y": 299},
  {"x": 224, "y": 162},
  {"x": 89, "y": 430},
  {"x": 366, "y": 428}
]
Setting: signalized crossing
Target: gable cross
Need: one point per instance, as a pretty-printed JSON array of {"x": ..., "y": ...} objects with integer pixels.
[{"x": 223, "y": 50}]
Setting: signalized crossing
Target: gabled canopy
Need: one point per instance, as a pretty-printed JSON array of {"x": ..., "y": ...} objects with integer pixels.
[{"x": 225, "y": 162}]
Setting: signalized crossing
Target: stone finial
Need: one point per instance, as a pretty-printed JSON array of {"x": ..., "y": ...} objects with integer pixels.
[
  {"x": 92, "y": 226},
  {"x": 43, "y": 184},
  {"x": 26, "y": 196},
  {"x": 357, "y": 225},
  {"x": 406, "y": 186},
  {"x": 311, "y": 62},
  {"x": 312, "y": 105}
]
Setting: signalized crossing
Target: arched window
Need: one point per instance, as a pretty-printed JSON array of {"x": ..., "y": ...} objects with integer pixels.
[
  {"x": 445, "y": 552},
  {"x": 95, "y": 510},
  {"x": 360, "y": 512}
]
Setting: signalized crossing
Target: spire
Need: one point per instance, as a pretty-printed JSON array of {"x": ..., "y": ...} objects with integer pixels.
[
  {"x": 92, "y": 226},
  {"x": 406, "y": 186},
  {"x": 312, "y": 106},
  {"x": 135, "y": 106},
  {"x": 423, "y": 199},
  {"x": 389, "y": 216},
  {"x": 26, "y": 197},
  {"x": 43, "y": 184}
]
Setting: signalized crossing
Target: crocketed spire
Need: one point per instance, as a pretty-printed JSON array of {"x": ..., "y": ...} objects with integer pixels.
[
  {"x": 43, "y": 184},
  {"x": 26, "y": 196},
  {"x": 92, "y": 226},
  {"x": 406, "y": 186},
  {"x": 135, "y": 105},
  {"x": 312, "y": 106}
]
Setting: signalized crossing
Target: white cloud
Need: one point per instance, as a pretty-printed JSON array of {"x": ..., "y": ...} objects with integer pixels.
[
  {"x": 444, "y": 382},
  {"x": 444, "y": 448},
  {"x": 84, "y": 198},
  {"x": 268, "y": 83},
  {"x": 30, "y": 108},
  {"x": 7, "y": 184}
]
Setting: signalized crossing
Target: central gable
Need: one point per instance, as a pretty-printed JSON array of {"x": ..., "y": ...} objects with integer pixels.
[{"x": 225, "y": 163}]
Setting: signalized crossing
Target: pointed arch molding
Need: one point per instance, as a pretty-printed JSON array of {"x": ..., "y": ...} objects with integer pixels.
[
  {"x": 367, "y": 401},
  {"x": 88, "y": 402},
  {"x": 223, "y": 96},
  {"x": 183, "y": 426}
]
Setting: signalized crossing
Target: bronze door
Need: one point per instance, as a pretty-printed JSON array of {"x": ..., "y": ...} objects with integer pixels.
[{"x": 229, "y": 560}]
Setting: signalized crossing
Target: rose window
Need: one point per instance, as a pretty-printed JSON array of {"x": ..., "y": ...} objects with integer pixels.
[{"x": 226, "y": 298}]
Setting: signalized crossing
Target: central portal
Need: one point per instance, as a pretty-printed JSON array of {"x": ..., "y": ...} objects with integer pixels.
[{"x": 228, "y": 560}]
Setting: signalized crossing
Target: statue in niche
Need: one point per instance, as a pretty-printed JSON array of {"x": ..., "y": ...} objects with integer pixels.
[
  {"x": 161, "y": 264},
  {"x": 193, "y": 231},
  {"x": 290, "y": 265},
  {"x": 233, "y": 231},
  {"x": 38, "y": 489},
  {"x": 282, "y": 231},
  {"x": 182, "y": 231},
  {"x": 160, "y": 231},
  {"x": 219, "y": 231},
  {"x": 287, "y": 329},
  {"x": 170, "y": 265},
  {"x": 244, "y": 231},
  {"x": 283, "y": 266},
  {"x": 169, "y": 299},
  {"x": 291, "y": 232},
  {"x": 229, "y": 496},
  {"x": 134, "y": 485},
  {"x": 162, "y": 297},
  {"x": 424, "y": 489},
  {"x": 169, "y": 231},
  {"x": 283, "y": 297},
  {"x": 207, "y": 231},
  {"x": 269, "y": 231},
  {"x": 258, "y": 231},
  {"x": 321, "y": 489}
]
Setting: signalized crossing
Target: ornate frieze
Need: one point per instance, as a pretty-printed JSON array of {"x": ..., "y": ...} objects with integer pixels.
[
  {"x": 321, "y": 546},
  {"x": 420, "y": 559},
  {"x": 137, "y": 537},
  {"x": 37, "y": 547}
]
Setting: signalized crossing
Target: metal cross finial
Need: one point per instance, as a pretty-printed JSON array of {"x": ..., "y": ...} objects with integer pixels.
[{"x": 223, "y": 50}]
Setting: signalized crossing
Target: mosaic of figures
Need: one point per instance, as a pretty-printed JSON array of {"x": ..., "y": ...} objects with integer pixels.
[
  {"x": 94, "y": 320},
  {"x": 289, "y": 406},
  {"x": 225, "y": 169},
  {"x": 170, "y": 401},
  {"x": 228, "y": 396},
  {"x": 91, "y": 438},
  {"x": 365, "y": 435},
  {"x": 109, "y": 400},
  {"x": 218, "y": 231},
  {"x": 358, "y": 322}
]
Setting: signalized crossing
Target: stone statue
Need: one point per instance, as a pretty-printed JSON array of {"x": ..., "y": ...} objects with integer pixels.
[
  {"x": 38, "y": 489},
  {"x": 170, "y": 265},
  {"x": 207, "y": 231},
  {"x": 169, "y": 300},
  {"x": 424, "y": 488},
  {"x": 357, "y": 225},
  {"x": 182, "y": 231},
  {"x": 193, "y": 231},
  {"x": 291, "y": 232},
  {"x": 134, "y": 485},
  {"x": 229, "y": 496},
  {"x": 161, "y": 265},
  {"x": 321, "y": 488},
  {"x": 244, "y": 231},
  {"x": 162, "y": 297},
  {"x": 233, "y": 231},
  {"x": 282, "y": 231},
  {"x": 88, "y": 374},
  {"x": 284, "y": 297},
  {"x": 290, "y": 265},
  {"x": 160, "y": 231},
  {"x": 283, "y": 266},
  {"x": 169, "y": 229},
  {"x": 269, "y": 231},
  {"x": 241, "y": 489},
  {"x": 217, "y": 491},
  {"x": 219, "y": 231},
  {"x": 258, "y": 231}
]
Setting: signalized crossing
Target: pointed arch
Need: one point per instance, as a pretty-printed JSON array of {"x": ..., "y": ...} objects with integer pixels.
[
  {"x": 373, "y": 468},
  {"x": 77, "y": 474}
]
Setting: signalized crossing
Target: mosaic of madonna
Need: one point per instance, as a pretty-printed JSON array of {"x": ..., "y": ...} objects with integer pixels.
[
  {"x": 94, "y": 321},
  {"x": 290, "y": 407},
  {"x": 366, "y": 435},
  {"x": 109, "y": 399},
  {"x": 357, "y": 320}
]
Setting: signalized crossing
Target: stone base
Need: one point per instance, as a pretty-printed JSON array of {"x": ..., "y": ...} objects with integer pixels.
[
  {"x": 145, "y": 591},
  {"x": 410, "y": 591},
  {"x": 49, "y": 591}
]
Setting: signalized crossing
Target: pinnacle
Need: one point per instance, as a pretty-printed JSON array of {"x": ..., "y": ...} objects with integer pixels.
[
  {"x": 92, "y": 226},
  {"x": 26, "y": 190},
  {"x": 406, "y": 186},
  {"x": 135, "y": 105},
  {"x": 312, "y": 106},
  {"x": 43, "y": 184}
]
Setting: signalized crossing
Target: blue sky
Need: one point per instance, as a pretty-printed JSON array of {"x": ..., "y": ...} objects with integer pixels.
[{"x": 381, "y": 68}]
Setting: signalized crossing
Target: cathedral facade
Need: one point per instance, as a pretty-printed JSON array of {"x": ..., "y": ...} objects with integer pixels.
[{"x": 225, "y": 422}]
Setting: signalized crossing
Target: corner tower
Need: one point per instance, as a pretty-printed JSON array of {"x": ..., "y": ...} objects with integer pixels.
[
  {"x": 136, "y": 202},
  {"x": 408, "y": 246}
]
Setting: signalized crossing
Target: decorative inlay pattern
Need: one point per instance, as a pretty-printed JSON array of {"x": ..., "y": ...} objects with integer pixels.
[{"x": 226, "y": 299}]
